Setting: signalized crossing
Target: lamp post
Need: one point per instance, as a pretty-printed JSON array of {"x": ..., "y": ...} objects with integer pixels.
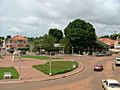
[
  {"x": 20, "y": 70},
  {"x": 50, "y": 73},
  {"x": 72, "y": 52},
  {"x": 72, "y": 58},
  {"x": 63, "y": 50}
]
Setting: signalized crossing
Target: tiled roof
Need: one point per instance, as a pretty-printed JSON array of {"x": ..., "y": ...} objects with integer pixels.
[
  {"x": 18, "y": 37},
  {"x": 107, "y": 41}
]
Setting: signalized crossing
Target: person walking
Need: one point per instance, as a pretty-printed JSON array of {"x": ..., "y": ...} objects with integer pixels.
[{"x": 113, "y": 66}]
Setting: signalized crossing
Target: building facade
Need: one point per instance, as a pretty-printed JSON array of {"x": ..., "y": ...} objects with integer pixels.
[{"x": 17, "y": 41}]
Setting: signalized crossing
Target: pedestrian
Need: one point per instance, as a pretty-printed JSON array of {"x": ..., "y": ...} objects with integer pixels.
[{"x": 113, "y": 67}]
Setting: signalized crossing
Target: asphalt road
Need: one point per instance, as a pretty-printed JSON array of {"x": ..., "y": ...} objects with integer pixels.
[{"x": 85, "y": 80}]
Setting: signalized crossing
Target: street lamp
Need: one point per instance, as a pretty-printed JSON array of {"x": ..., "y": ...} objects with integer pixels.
[
  {"x": 63, "y": 50},
  {"x": 20, "y": 70},
  {"x": 72, "y": 52},
  {"x": 72, "y": 58},
  {"x": 50, "y": 73}
]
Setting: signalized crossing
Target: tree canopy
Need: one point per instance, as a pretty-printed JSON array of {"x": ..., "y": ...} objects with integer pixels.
[
  {"x": 81, "y": 34},
  {"x": 105, "y": 36},
  {"x": 1, "y": 38},
  {"x": 65, "y": 44},
  {"x": 58, "y": 34},
  {"x": 46, "y": 42},
  {"x": 115, "y": 36}
]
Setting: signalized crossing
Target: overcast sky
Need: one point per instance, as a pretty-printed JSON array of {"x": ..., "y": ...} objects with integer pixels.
[{"x": 36, "y": 17}]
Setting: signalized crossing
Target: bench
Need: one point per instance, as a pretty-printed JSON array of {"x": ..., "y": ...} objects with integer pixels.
[{"x": 7, "y": 75}]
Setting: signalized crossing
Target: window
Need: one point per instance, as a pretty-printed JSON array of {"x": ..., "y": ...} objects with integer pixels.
[{"x": 113, "y": 85}]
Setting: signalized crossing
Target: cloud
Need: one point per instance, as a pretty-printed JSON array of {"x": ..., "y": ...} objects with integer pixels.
[{"x": 36, "y": 17}]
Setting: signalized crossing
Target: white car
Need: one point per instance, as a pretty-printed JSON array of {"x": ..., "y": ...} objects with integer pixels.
[
  {"x": 117, "y": 61},
  {"x": 110, "y": 84}
]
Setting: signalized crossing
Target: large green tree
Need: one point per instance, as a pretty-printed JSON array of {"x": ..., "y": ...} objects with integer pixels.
[
  {"x": 81, "y": 34},
  {"x": 58, "y": 34}
]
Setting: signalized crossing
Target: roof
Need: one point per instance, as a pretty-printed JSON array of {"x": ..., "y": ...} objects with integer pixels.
[
  {"x": 112, "y": 81},
  {"x": 107, "y": 41},
  {"x": 117, "y": 58},
  {"x": 102, "y": 43},
  {"x": 18, "y": 37}
]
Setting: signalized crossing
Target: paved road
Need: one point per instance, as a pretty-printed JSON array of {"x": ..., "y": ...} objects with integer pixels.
[{"x": 85, "y": 80}]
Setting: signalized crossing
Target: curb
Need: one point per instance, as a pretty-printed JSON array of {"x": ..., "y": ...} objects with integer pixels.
[{"x": 40, "y": 80}]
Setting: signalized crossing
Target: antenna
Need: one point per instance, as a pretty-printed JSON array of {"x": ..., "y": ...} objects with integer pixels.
[{"x": 17, "y": 42}]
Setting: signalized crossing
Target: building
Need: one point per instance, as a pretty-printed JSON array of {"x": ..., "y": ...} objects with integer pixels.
[
  {"x": 108, "y": 41},
  {"x": 114, "y": 45},
  {"x": 117, "y": 44},
  {"x": 17, "y": 41}
]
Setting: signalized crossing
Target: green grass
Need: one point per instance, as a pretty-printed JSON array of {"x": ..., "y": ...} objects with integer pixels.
[
  {"x": 39, "y": 57},
  {"x": 58, "y": 67},
  {"x": 13, "y": 71}
]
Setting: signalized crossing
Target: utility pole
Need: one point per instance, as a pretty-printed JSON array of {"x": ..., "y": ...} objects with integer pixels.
[
  {"x": 50, "y": 73},
  {"x": 20, "y": 77}
]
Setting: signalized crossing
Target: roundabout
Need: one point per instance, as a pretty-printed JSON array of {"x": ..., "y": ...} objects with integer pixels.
[
  {"x": 29, "y": 74},
  {"x": 85, "y": 80}
]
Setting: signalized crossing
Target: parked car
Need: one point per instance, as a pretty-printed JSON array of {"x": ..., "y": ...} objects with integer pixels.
[
  {"x": 11, "y": 50},
  {"x": 103, "y": 53},
  {"x": 110, "y": 84},
  {"x": 98, "y": 67},
  {"x": 117, "y": 61},
  {"x": 98, "y": 54}
]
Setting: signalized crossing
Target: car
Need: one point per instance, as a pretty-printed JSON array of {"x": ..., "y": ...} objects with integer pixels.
[
  {"x": 98, "y": 67},
  {"x": 98, "y": 54},
  {"x": 110, "y": 84},
  {"x": 117, "y": 61},
  {"x": 11, "y": 50}
]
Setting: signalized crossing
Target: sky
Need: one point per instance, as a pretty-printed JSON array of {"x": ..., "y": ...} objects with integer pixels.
[{"x": 34, "y": 18}]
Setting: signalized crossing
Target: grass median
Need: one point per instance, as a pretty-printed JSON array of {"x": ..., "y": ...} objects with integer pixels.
[
  {"x": 40, "y": 57},
  {"x": 14, "y": 73},
  {"x": 57, "y": 67}
]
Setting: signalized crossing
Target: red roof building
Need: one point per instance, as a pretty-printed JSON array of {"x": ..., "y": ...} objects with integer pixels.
[
  {"x": 107, "y": 41},
  {"x": 17, "y": 41}
]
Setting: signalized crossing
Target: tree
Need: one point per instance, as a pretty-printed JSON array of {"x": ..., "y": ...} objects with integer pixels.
[
  {"x": 35, "y": 45},
  {"x": 105, "y": 36},
  {"x": 1, "y": 38},
  {"x": 30, "y": 39},
  {"x": 81, "y": 35},
  {"x": 101, "y": 45},
  {"x": 8, "y": 36},
  {"x": 66, "y": 45},
  {"x": 47, "y": 42},
  {"x": 115, "y": 36},
  {"x": 58, "y": 34}
]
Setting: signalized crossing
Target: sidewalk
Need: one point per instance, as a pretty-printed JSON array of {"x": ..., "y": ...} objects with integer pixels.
[{"x": 30, "y": 74}]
